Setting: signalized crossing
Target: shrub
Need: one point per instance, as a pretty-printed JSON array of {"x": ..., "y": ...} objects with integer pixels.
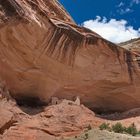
[
  {"x": 118, "y": 128},
  {"x": 132, "y": 130},
  {"x": 89, "y": 127},
  {"x": 86, "y": 136},
  {"x": 104, "y": 126}
]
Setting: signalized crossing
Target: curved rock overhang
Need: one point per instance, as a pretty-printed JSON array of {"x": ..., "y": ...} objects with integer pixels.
[{"x": 43, "y": 53}]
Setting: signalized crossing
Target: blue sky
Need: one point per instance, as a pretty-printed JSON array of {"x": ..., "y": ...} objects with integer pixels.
[{"x": 95, "y": 14}]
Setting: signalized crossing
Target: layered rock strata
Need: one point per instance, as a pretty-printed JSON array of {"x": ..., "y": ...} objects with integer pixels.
[{"x": 44, "y": 54}]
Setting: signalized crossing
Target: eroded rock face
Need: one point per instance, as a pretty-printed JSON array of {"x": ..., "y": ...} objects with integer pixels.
[
  {"x": 132, "y": 45},
  {"x": 62, "y": 120},
  {"x": 44, "y": 54},
  {"x": 58, "y": 122}
]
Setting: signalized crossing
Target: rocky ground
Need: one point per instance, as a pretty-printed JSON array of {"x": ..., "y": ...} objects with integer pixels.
[{"x": 66, "y": 120}]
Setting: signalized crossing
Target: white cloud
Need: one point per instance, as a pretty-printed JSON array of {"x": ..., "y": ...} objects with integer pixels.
[
  {"x": 133, "y": 2},
  {"x": 124, "y": 11},
  {"x": 124, "y": 8},
  {"x": 114, "y": 30},
  {"x": 136, "y": 1},
  {"x": 120, "y": 4}
]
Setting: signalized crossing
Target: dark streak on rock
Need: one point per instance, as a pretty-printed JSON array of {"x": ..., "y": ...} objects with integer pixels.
[
  {"x": 7, "y": 126},
  {"x": 67, "y": 48},
  {"x": 91, "y": 40},
  {"x": 8, "y": 8},
  {"x": 115, "y": 49},
  {"x": 128, "y": 58}
]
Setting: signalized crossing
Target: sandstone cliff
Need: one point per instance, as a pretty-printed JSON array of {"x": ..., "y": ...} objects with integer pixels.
[
  {"x": 44, "y": 54},
  {"x": 132, "y": 45}
]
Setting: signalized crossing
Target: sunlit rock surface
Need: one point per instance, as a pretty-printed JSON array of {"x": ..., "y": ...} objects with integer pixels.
[{"x": 44, "y": 54}]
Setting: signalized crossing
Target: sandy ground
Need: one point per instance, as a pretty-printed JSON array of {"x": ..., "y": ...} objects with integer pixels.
[{"x": 96, "y": 134}]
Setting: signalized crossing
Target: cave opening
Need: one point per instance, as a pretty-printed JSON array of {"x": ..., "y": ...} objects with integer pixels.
[
  {"x": 115, "y": 115},
  {"x": 32, "y": 102},
  {"x": 108, "y": 114},
  {"x": 101, "y": 111},
  {"x": 31, "y": 105}
]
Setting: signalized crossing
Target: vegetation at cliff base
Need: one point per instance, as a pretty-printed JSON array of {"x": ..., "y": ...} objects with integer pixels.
[{"x": 119, "y": 128}]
